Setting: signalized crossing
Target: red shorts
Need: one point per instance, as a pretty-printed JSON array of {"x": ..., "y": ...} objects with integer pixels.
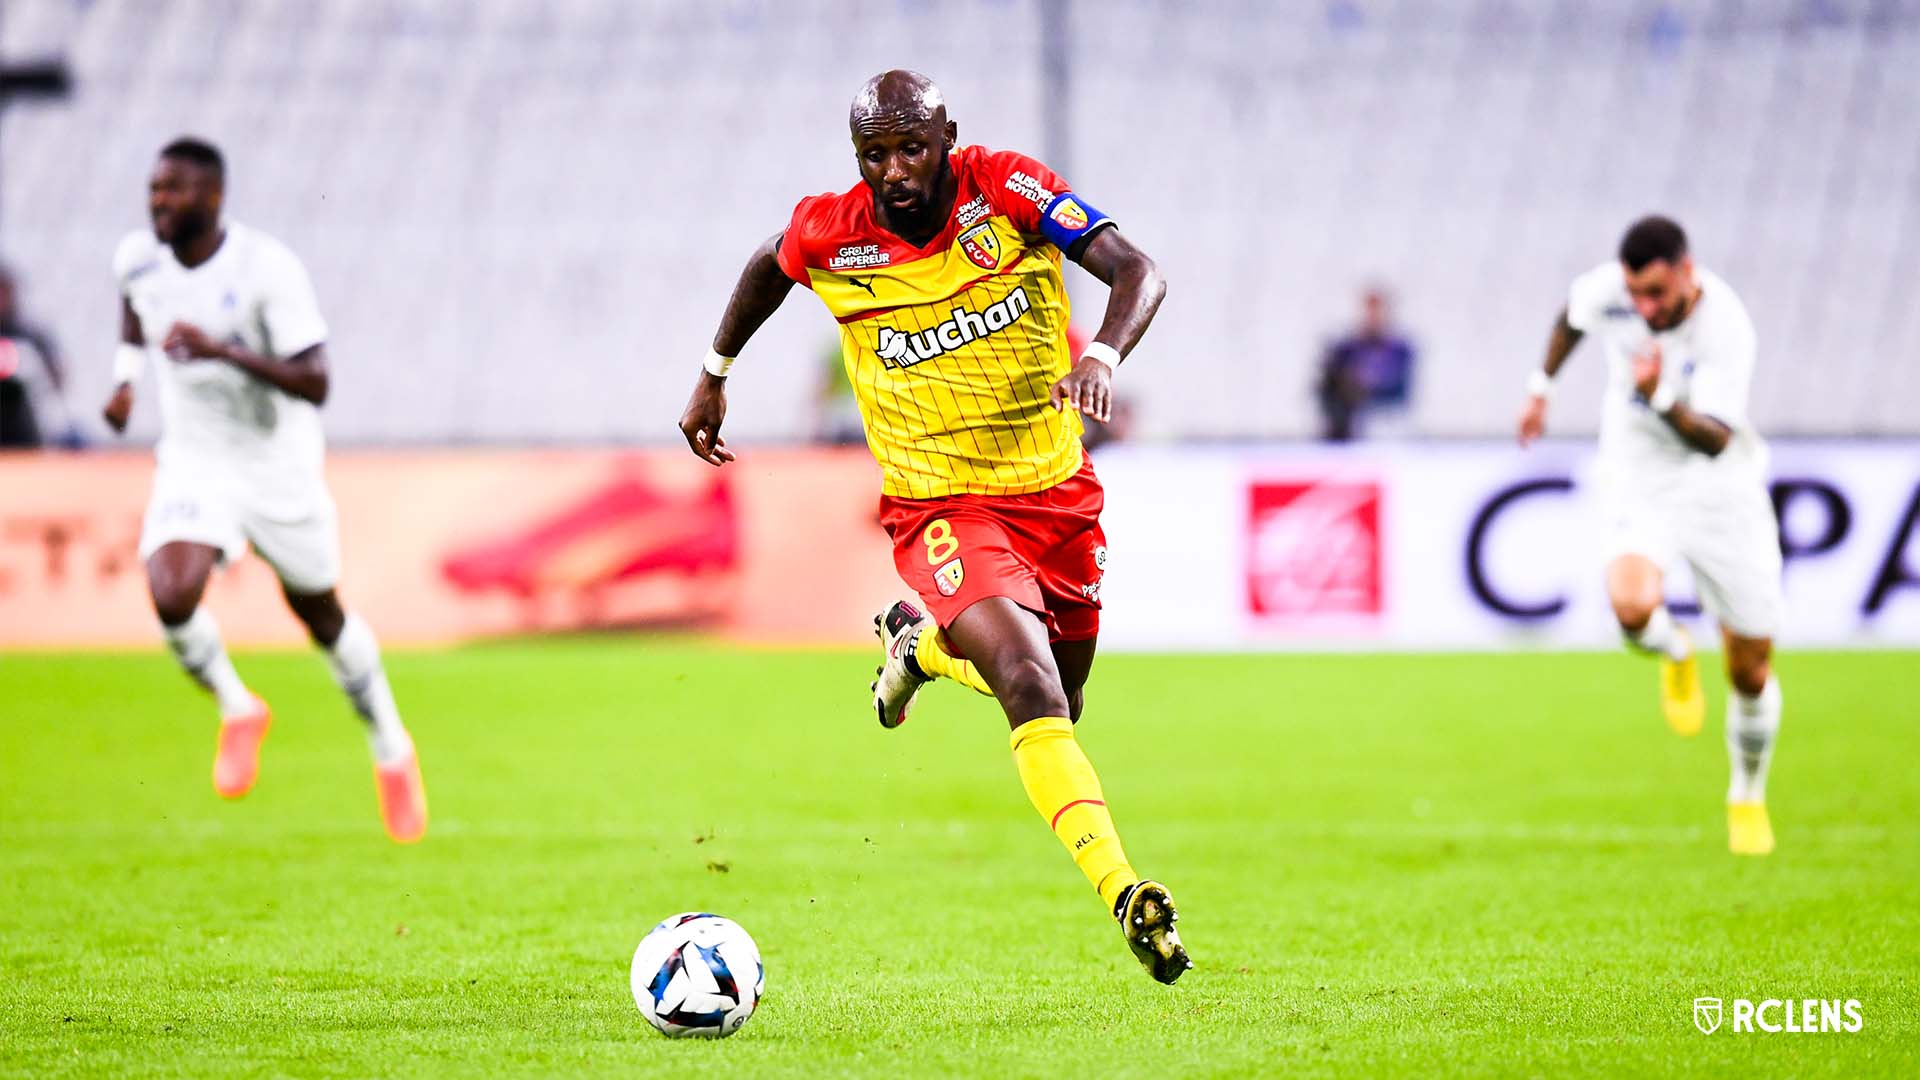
[{"x": 1044, "y": 551}]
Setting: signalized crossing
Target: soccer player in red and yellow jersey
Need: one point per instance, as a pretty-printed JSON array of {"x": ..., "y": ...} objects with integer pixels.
[{"x": 943, "y": 269}]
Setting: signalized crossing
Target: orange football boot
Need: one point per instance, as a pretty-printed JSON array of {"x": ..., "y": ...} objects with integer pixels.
[
  {"x": 403, "y": 799},
  {"x": 236, "y": 765}
]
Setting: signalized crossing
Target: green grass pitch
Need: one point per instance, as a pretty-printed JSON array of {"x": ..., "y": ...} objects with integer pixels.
[{"x": 1387, "y": 865}]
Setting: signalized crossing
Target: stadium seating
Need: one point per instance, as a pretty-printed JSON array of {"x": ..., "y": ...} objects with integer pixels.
[{"x": 523, "y": 218}]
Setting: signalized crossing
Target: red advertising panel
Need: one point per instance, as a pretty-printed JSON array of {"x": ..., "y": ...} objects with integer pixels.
[
  {"x": 1314, "y": 549},
  {"x": 782, "y": 546}
]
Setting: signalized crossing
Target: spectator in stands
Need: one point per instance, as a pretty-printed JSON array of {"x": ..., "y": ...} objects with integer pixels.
[
  {"x": 29, "y": 373},
  {"x": 1366, "y": 377}
]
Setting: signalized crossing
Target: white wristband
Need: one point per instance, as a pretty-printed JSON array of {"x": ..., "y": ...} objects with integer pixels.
[
  {"x": 1103, "y": 352},
  {"x": 718, "y": 365},
  {"x": 128, "y": 362},
  {"x": 1539, "y": 384},
  {"x": 1663, "y": 400}
]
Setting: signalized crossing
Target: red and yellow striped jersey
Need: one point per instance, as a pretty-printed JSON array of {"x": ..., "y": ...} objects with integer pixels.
[{"x": 953, "y": 348}]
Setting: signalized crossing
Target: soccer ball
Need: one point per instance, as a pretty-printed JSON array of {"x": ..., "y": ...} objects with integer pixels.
[{"x": 697, "y": 975}]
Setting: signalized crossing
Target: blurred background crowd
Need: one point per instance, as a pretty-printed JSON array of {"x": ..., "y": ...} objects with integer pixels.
[{"x": 523, "y": 216}]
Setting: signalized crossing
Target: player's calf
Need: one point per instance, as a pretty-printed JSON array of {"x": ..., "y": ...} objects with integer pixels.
[
  {"x": 1075, "y": 661},
  {"x": 354, "y": 658},
  {"x": 1749, "y": 664},
  {"x": 325, "y": 619},
  {"x": 1753, "y": 727},
  {"x": 195, "y": 642},
  {"x": 177, "y": 576},
  {"x": 353, "y": 655},
  {"x": 1650, "y": 627},
  {"x": 1656, "y": 632},
  {"x": 935, "y": 658}
]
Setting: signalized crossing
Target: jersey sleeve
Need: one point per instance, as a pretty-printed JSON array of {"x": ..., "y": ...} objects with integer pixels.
[
  {"x": 1039, "y": 202},
  {"x": 1590, "y": 295},
  {"x": 131, "y": 257},
  {"x": 1723, "y": 371},
  {"x": 793, "y": 242},
  {"x": 288, "y": 308}
]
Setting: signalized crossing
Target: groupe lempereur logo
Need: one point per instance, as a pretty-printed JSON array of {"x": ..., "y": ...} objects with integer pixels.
[{"x": 1802, "y": 1016}]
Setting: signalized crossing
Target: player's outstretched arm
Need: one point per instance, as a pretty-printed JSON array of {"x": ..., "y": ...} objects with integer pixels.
[
  {"x": 1533, "y": 414},
  {"x": 304, "y": 374},
  {"x": 756, "y": 296},
  {"x": 1136, "y": 288},
  {"x": 126, "y": 368}
]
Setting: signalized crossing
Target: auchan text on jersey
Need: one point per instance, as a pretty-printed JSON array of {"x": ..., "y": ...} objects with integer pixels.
[{"x": 901, "y": 350}]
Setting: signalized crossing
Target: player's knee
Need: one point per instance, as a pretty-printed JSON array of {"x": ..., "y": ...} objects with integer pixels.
[
  {"x": 174, "y": 606},
  {"x": 1633, "y": 612},
  {"x": 322, "y": 614},
  {"x": 1029, "y": 690},
  {"x": 325, "y": 627},
  {"x": 1749, "y": 672},
  {"x": 175, "y": 595}
]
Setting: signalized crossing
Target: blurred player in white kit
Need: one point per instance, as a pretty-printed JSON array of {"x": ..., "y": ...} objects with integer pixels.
[
  {"x": 1682, "y": 474},
  {"x": 240, "y": 459}
]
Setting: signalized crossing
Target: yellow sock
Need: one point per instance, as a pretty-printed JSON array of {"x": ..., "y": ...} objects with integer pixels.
[
  {"x": 935, "y": 660},
  {"x": 1064, "y": 788}
]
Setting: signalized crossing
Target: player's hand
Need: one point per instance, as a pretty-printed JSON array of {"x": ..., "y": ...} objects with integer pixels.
[
  {"x": 1646, "y": 370},
  {"x": 701, "y": 422},
  {"x": 188, "y": 342},
  {"x": 1533, "y": 419},
  {"x": 1088, "y": 389},
  {"x": 119, "y": 407}
]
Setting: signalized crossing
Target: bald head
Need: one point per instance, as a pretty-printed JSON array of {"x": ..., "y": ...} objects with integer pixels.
[
  {"x": 896, "y": 98},
  {"x": 902, "y": 139}
]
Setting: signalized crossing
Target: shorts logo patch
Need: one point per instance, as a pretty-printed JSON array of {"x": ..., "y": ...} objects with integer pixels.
[
  {"x": 1069, "y": 216},
  {"x": 1100, "y": 557},
  {"x": 982, "y": 245},
  {"x": 949, "y": 577}
]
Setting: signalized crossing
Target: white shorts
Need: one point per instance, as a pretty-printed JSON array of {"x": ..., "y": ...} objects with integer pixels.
[
  {"x": 1728, "y": 536},
  {"x": 298, "y": 534}
]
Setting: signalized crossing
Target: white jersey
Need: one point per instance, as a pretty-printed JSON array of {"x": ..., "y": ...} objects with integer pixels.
[
  {"x": 1707, "y": 360},
  {"x": 216, "y": 418},
  {"x": 1661, "y": 498}
]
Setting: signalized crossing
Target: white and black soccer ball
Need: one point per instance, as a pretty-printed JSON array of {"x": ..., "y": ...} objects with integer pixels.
[{"x": 697, "y": 975}]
